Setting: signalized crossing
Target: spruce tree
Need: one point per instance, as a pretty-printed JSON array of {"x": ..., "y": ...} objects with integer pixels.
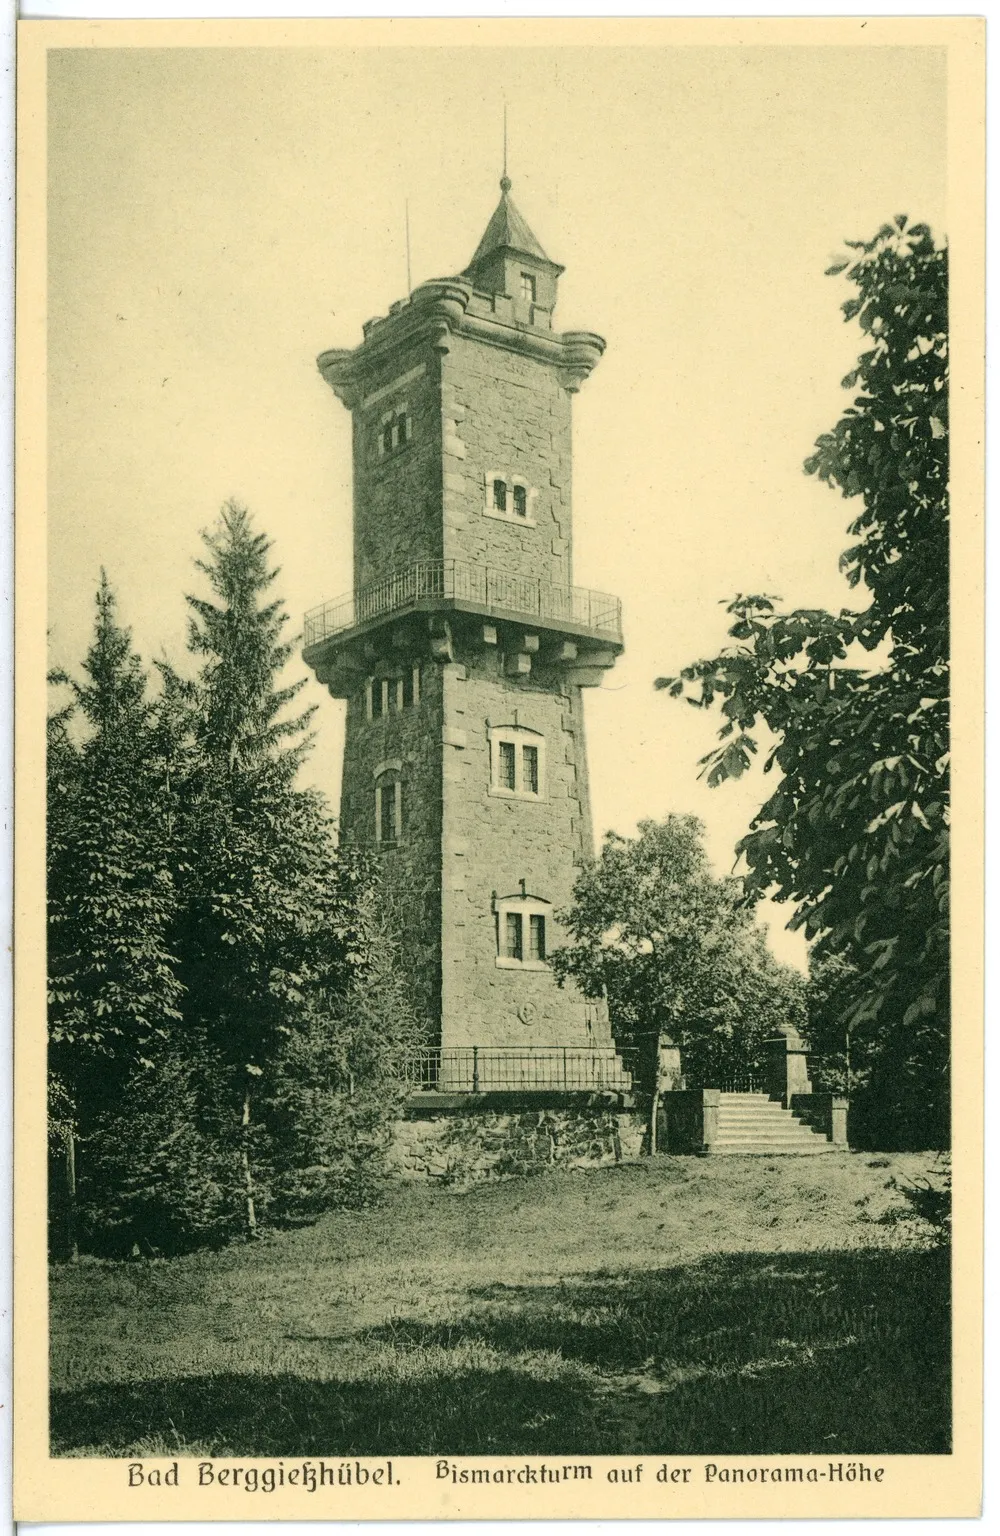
[
  {"x": 113, "y": 988},
  {"x": 271, "y": 933}
]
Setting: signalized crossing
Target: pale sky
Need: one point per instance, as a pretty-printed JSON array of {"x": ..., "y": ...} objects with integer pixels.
[{"x": 217, "y": 217}]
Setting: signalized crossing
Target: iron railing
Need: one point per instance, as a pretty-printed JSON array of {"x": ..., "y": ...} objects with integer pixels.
[
  {"x": 508, "y": 1069},
  {"x": 496, "y": 592},
  {"x": 739, "y": 1082}
]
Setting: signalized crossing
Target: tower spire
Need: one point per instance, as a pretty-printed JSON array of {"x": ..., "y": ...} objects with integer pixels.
[{"x": 505, "y": 181}]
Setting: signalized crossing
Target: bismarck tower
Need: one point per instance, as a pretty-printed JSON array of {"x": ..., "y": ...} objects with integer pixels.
[{"x": 464, "y": 646}]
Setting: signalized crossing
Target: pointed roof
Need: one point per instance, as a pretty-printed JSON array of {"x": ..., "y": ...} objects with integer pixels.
[{"x": 507, "y": 229}]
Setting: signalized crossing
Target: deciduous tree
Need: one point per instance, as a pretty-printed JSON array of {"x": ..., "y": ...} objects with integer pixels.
[
  {"x": 856, "y": 832},
  {"x": 677, "y": 953}
]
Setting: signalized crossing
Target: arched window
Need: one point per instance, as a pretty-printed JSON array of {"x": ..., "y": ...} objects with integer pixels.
[
  {"x": 510, "y": 498},
  {"x": 395, "y": 431},
  {"x": 517, "y": 762},
  {"x": 522, "y": 932},
  {"x": 389, "y": 803}
]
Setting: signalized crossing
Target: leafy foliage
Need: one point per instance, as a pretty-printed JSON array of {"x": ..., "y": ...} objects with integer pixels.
[
  {"x": 856, "y": 832},
  {"x": 677, "y": 952}
]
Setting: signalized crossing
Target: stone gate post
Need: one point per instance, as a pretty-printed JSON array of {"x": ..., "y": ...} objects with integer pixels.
[{"x": 787, "y": 1065}]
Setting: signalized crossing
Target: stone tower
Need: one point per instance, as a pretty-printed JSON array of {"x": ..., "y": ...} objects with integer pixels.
[{"x": 464, "y": 646}]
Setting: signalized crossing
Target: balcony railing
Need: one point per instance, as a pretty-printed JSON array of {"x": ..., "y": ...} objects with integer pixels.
[
  {"x": 493, "y": 591},
  {"x": 513, "y": 1069}
]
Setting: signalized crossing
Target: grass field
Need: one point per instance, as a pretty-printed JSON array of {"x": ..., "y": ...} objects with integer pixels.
[{"x": 678, "y": 1305}]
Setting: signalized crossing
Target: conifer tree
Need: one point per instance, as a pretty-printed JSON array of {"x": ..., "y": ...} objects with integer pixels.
[
  {"x": 270, "y": 931},
  {"x": 113, "y": 989}
]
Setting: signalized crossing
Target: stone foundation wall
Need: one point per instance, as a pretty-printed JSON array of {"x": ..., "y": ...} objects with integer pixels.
[{"x": 468, "y": 1149}]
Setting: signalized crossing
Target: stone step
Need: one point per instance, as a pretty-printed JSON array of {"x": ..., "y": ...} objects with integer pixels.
[
  {"x": 755, "y": 1125},
  {"x": 786, "y": 1149},
  {"x": 781, "y": 1134},
  {"x": 755, "y": 1116}
]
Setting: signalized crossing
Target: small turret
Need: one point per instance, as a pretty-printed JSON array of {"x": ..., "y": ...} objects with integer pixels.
[{"x": 509, "y": 260}]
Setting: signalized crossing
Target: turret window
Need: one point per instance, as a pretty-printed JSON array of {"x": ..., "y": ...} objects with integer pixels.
[
  {"x": 522, "y": 921},
  {"x": 517, "y": 762},
  {"x": 527, "y": 287}
]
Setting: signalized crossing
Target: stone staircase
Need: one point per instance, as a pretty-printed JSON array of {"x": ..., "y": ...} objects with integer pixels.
[{"x": 752, "y": 1125}]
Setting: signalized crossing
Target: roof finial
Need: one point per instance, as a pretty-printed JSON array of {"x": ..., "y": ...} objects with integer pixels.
[{"x": 505, "y": 181}]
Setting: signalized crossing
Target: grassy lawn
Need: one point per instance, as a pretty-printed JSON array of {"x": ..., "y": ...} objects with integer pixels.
[{"x": 678, "y": 1305}]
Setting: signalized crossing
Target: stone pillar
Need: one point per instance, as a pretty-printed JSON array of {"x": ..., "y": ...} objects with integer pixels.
[
  {"x": 838, "y": 1122},
  {"x": 787, "y": 1066},
  {"x": 668, "y": 1066},
  {"x": 710, "y": 1117}
]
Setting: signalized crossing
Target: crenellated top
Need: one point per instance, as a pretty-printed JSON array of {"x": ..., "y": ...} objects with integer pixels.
[{"x": 444, "y": 307}]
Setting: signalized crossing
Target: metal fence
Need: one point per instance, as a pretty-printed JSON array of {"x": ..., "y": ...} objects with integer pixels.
[
  {"x": 499, "y": 1069},
  {"x": 740, "y": 1082},
  {"x": 497, "y": 592}
]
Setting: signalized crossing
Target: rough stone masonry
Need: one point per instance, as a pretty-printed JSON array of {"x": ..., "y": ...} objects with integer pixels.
[{"x": 464, "y": 647}]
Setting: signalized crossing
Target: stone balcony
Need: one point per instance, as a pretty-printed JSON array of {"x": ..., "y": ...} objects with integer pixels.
[{"x": 581, "y": 628}]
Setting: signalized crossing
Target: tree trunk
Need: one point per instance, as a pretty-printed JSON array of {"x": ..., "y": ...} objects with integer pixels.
[
  {"x": 247, "y": 1175},
  {"x": 71, "y": 1238}
]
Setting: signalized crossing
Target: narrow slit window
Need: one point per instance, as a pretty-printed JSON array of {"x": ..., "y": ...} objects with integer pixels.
[
  {"x": 389, "y": 812},
  {"x": 520, "y": 501},
  {"x": 384, "y": 689},
  {"x": 506, "y": 769},
  {"x": 500, "y": 495},
  {"x": 513, "y": 946},
  {"x": 402, "y": 431},
  {"x": 377, "y": 699},
  {"x": 387, "y": 799},
  {"x": 530, "y": 766},
  {"x": 536, "y": 936},
  {"x": 408, "y": 690},
  {"x": 387, "y": 437}
]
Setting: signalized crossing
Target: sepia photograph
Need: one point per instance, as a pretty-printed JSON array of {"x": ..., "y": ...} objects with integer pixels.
[{"x": 494, "y": 960}]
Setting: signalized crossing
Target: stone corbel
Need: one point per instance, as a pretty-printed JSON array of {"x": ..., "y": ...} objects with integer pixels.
[
  {"x": 442, "y": 647},
  {"x": 582, "y": 351},
  {"x": 337, "y": 368}
]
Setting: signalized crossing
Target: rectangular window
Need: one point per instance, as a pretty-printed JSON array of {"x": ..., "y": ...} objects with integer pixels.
[
  {"x": 407, "y": 687},
  {"x": 384, "y": 689},
  {"x": 505, "y": 766},
  {"x": 527, "y": 287},
  {"x": 513, "y": 947},
  {"x": 388, "y": 830},
  {"x": 530, "y": 766},
  {"x": 500, "y": 495},
  {"x": 520, "y": 501},
  {"x": 536, "y": 937},
  {"x": 401, "y": 431},
  {"x": 387, "y": 437},
  {"x": 376, "y": 697}
]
